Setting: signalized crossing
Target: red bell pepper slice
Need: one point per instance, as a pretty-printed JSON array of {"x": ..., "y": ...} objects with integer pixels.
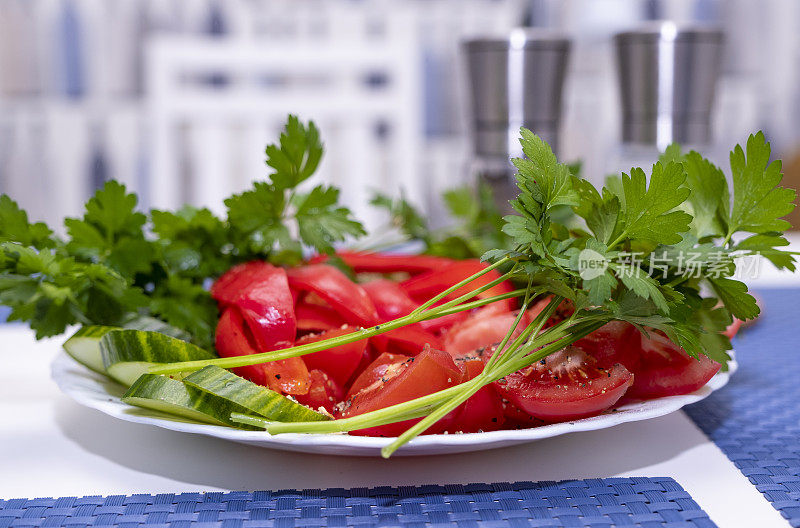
[
  {"x": 338, "y": 362},
  {"x": 368, "y": 262},
  {"x": 424, "y": 286},
  {"x": 389, "y": 299},
  {"x": 343, "y": 295},
  {"x": 288, "y": 376}
]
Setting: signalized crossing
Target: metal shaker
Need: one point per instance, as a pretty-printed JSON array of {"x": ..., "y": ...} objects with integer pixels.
[
  {"x": 667, "y": 78},
  {"x": 515, "y": 80}
]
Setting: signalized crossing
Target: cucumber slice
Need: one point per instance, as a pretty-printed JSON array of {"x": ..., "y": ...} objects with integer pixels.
[
  {"x": 243, "y": 396},
  {"x": 127, "y": 354},
  {"x": 84, "y": 346},
  {"x": 167, "y": 395},
  {"x": 151, "y": 324}
]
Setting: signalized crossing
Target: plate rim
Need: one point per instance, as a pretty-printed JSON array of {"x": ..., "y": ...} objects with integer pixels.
[{"x": 64, "y": 370}]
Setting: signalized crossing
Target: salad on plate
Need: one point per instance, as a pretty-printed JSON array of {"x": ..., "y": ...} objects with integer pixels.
[{"x": 582, "y": 300}]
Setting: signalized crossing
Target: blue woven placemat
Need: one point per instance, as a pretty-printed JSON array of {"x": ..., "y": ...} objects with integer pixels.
[
  {"x": 755, "y": 420},
  {"x": 630, "y": 502}
]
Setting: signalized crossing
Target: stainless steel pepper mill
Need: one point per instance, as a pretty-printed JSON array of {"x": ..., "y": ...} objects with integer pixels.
[
  {"x": 667, "y": 78},
  {"x": 514, "y": 81}
]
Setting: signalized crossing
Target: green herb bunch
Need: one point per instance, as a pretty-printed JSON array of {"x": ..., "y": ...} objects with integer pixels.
[{"x": 118, "y": 263}]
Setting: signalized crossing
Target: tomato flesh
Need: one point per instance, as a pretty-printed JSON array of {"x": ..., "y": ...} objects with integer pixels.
[
  {"x": 483, "y": 411},
  {"x": 388, "y": 262},
  {"x": 287, "y": 376},
  {"x": 408, "y": 340},
  {"x": 426, "y": 285},
  {"x": 481, "y": 331},
  {"x": 616, "y": 342},
  {"x": 431, "y": 371},
  {"x": 667, "y": 370},
  {"x": 338, "y": 362},
  {"x": 347, "y": 298},
  {"x": 566, "y": 385},
  {"x": 323, "y": 392},
  {"x": 316, "y": 318},
  {"x": 389, "y": 299}
]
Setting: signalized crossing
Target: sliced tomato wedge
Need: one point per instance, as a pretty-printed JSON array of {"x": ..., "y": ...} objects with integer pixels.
[
  {"x": 667, "y": 370},
  {"x": 409, "y": 340},
  {"x": 261, "y": 293},
  {"x": 323, "y": 392},
  {"x": 382, "y": 367},
  {"x": 227, "y": 288},
  {"x": 425, "y": 285},
  {"x": 390, "y": 300},
  {"x": 616, "y": 342},
  {"x": 338, "y": 362},
  {"x": 567, "y": 385},
  {"x": 483, "y": 411},
  {"x": 441, "y": 325},
  {"x": 431, "y": 371},
  {"x": 481, "y": 331},
  {"x": 347, "y": 298},
  {"x": 316, "y": 318},
  {"x": 233, "y": 338},
  {"x": 367, "y": 262}
]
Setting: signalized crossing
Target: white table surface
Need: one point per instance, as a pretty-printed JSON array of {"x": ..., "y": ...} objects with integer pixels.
[{"x": 51, "y": 446}]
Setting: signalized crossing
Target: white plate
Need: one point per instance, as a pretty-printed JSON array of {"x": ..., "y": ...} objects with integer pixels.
[{"x": 98, "y": 392}]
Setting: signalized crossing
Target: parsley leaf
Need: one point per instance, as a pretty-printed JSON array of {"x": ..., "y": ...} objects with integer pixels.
[
  {"x": 648, "y": 211},
  {"x": 322, "y": 221},
  {"x": 758, "y": 202},
  {"x": 297, "y": 156},
  {"x": 14, "y": 226}
]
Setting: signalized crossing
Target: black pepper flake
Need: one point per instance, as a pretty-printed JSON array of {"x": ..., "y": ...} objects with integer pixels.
[
  {"x": 277, "y": 376},
  {"x": 494, "y": 419}
]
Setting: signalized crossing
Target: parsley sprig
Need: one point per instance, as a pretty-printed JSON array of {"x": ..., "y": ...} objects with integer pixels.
[{"x": 118, "y": 263}]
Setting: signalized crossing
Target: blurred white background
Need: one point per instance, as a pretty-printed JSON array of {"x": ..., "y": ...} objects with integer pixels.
[{"x": 177, "y": 98}]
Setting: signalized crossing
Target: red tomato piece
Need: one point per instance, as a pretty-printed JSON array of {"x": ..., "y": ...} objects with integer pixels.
[
  {"x": 567, "y": 385},
  {"x": 382, "y": 367},
  {"x": 324, "y": 392},
  {"x": 261, "y": 293},
  {"x": 667, "y": 370},
  {"x": 426, "y": 285},
  {"x": 431, "y": 371},
  {"x": 227, "y": 288},
  {"x": 338, "y": 362},
  {"x": 390, "y": 300},
  {"x": 408, "y": 340},
  {"x": 233, "y": 338},
  {"x": 616, "y": 342},
  {"x": 349, "y": 299},
  {"x": 440, "y": 325},
  {"x": 366, "y": 262},
  {"x": 481, "y": 331},
  {"x": 316, "y": 318},
  {"x": 483, "y": 411}
]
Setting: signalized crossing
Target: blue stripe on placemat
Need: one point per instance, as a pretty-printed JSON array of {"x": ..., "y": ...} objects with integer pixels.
[
  {"x": 755, "y": 420},
  {"x": 632, "y": 502}
]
